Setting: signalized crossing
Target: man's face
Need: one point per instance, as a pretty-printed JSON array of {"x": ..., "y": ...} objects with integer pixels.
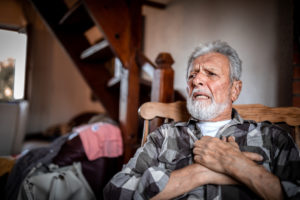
[{"x": 209, "y": 87}]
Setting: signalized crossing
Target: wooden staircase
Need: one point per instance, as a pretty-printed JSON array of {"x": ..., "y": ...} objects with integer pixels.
[{"x": 120, "y": 24}]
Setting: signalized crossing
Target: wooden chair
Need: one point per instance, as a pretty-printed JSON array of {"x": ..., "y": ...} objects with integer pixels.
[{"x": 177, "y": 111}]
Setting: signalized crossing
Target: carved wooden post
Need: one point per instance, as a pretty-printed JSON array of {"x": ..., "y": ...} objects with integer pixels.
[{"x": 162, "y": 84}]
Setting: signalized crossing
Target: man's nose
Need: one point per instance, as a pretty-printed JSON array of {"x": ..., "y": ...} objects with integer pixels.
[{"x": 200, "y": 79}]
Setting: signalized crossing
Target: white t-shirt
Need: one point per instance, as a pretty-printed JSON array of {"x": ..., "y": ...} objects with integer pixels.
[{"x": 211, "y": 128}]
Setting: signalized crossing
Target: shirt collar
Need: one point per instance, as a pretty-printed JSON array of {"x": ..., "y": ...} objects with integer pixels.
[{"x": 191, "y": 123}]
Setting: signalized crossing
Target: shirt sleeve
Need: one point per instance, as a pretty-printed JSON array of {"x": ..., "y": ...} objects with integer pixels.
[
  {"x": 287, "y": 166},
  {"x": 141, "y": 177}
]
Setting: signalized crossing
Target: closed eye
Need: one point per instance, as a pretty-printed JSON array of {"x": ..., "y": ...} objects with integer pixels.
[{"x": 211, "y": 73}]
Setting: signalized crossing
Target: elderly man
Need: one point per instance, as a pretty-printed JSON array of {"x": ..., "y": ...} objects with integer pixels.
[{"x": 216, "y": 154}]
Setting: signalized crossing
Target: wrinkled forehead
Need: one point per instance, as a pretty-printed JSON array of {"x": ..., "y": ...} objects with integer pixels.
[{"x": 213, "y": 59}]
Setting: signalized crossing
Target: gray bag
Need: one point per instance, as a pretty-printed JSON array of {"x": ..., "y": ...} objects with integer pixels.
[{"x": 54, "y": 183}]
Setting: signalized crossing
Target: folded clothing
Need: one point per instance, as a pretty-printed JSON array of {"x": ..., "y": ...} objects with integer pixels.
[
  {"x": 100, "y": 140},
  {"x": 97, "y": 172}
]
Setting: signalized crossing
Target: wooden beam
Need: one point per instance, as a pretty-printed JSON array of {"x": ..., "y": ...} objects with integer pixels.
[
  {"x": 129, "y": 102},
  {"x": 113, "y": 18}
]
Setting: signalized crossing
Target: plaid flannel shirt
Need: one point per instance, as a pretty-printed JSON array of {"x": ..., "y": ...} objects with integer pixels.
[{"x": 170, "y": 147}]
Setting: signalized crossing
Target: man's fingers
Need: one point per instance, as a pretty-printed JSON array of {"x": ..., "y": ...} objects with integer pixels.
[
  {"x": 253, "y": 156},
  {"x": 231, "y": 140},
  {"x": 250, "y": 155}
]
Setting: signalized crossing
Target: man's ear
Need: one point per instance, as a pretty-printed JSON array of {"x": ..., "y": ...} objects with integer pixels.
[{"x": 236, "y": 90}]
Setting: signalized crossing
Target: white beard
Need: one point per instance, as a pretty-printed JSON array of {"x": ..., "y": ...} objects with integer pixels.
[{"x": 201, "y": 111}]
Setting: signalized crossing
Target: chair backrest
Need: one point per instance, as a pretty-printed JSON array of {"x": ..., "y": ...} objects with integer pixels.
[{"x": 177, "y": 111}]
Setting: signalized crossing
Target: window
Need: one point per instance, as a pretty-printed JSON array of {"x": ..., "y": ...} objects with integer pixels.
[{"x": 12, "y": 64}]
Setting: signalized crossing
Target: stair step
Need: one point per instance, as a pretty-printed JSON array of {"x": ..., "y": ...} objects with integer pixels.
[
  {"x": 93, "y": 35},
  {"x": 70, "y": 3},
  {"x": 77, "y": 17},
  {"x": 155, "y": 4},
  {"x": 98, "y": 52},
  {"x": 70, "y": 12},
  {"x": 113, "y": 81}
]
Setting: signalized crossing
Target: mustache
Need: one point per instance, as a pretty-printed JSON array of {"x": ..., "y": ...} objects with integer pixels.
[{"x": 202, "y": 91}]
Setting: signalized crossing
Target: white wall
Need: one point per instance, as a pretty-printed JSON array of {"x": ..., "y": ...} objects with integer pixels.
[{"x": 260, "y": 31}]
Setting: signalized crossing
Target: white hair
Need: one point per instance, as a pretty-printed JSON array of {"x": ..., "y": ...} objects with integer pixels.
[{"x": 223, "y": 48}]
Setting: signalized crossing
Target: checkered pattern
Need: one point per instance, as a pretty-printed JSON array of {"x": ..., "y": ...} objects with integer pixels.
[{"x": 170, "y": 148}]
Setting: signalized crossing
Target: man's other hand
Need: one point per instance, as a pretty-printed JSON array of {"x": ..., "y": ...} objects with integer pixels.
[{"x": 220, "y": 155}]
